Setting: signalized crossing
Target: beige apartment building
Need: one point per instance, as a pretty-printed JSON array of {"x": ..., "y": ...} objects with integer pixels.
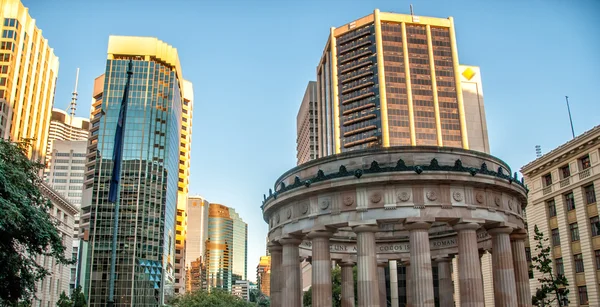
[
  {"x": 307, "y": 139},
  {"x": 562, "y": 203}
]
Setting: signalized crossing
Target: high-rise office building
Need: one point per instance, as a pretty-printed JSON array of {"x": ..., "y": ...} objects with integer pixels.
[
  {"x": 65, "y": 127},
  {"x": 219, "y": 247},
  {"x": 307, "y": 121},
  {"x": 226, "y": 247},
  {"x": 263, "y": 275},
  {"x": 394, "y": 80},
  {"x": 197, "y": 229},
  {"x": 562, "y": 203},
  {"x": 185, "y": 147},
  {"x": 149, "y": 174},
  {"x": 195, "y": 242},
  {"x": 65, "y": 174},
  {"x": 239, "y": 266},
  {"x": 28, "y": 75}
]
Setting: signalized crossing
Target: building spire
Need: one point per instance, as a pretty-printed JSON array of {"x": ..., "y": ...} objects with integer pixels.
[{"x": 73, "y": 105}]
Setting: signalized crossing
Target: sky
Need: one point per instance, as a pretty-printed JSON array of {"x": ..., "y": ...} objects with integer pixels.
[{"x": 250, "y": 62}]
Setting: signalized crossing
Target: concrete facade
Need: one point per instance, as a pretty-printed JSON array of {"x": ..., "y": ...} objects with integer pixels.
[
  {"x": 49, "y": 289},
  {"x": 307, "y": 121},
  {"x": 562, "y": 204}
]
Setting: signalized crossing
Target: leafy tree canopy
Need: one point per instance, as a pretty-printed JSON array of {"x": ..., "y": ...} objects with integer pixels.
[
  {"x": 216, "y": 298},
  {"x": 26, "y": 228}
]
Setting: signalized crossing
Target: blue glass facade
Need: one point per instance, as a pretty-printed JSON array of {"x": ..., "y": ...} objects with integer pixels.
[{"x": 148, "y": 191}]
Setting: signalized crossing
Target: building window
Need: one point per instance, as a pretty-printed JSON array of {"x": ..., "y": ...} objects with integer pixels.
[
  {"x": 551, "y": 208},
  {"x": 528, "y": 254},
  {"x": 570, "y": 201},
  {"x": 584, "y": 162},
  {"x": 564, "y": 172},
  {"x": 590, "y": 194},
  {"x": 597, "y": 255},
  {"x": 555, "y": 237},
  {"x": 583, "y": 297},
  {"x": 595, "y": 224},
  {"x": 578, "y": 263},
  {"x": 560, "y": 268},
  {"x": 547, "y": 179},
  {"x": 574, "y": 229}
]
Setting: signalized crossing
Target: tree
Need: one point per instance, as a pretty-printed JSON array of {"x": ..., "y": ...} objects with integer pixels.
[
  {"x": 64, "y": 301},
  {"x": 552, "y": 288},
  {"x": 78, "y": 298},
  {"x": 336, "y": 288},
  {"x": 216, "y": 298},
  {"x": 26, "y": 228}
]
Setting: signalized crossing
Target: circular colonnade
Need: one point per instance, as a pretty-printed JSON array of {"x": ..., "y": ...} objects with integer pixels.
[{"x": 419, "y": 206}]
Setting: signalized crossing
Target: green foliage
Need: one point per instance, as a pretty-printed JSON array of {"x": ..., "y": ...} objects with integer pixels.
[
  {"x": 64, "y": 301},
  {"x": 78, "y": 298},
  {"x": 216, "y": 298},
  {"x": 336, "y": 288},
  {"x": 256, "y": 296},
  {"x": 552, "y": 287},
  {"x": 26, "y": 227}
]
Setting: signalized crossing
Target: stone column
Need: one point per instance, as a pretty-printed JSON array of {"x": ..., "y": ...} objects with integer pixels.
[
  {"x": 275, "y": 250},
  {"x": 321, "y": 268},
  {"x": 382, "y": 286},
  {"x": 368, "y": 287},
  {"x": 347, "y": 284},
  {"x": 469, "y": 266},
  {"x": 445, "y": 282},
  {"x": 394, "y": 283},
  {"x": 420, "y": 261},
  {"x": 504, "y": 273},
  {"x": 521, "y": 267},
  {"x": 291, "y": 295}
]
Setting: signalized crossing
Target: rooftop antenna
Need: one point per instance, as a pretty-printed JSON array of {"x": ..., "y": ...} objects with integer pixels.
[
  {"x": 570, "y": 118},
  {"x": 538, "y": 151},
  {"x": 412, "y": 13},
  {"x": 73, "y": 105}
]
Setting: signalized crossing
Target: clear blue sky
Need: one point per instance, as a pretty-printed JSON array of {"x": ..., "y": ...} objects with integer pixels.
[{"x": 250, "y": 62}]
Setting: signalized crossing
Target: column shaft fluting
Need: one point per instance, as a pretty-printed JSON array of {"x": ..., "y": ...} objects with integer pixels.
[
  {"x": 367, "y": 284},
  {"x": 291, "y": 296},
  {"x": 445, "y": 283},
  {"x": 521, "y": 269},
  {"x": 347, "y": 284},
  {"x": 321, "y": 269},
  {"x": 504, "y": 273},
  {"x": 276, "y": 272},
  {"x": 382, "y": 286},
  {"x": 420, "y": 262},
  {"x": 394, "y": 283},
  {"x": 469, "y": 266}
]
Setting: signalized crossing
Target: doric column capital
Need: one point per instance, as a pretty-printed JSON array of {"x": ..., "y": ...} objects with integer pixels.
[
  {"x": 466, "y": 226},
  {"x": 417, "y": 225},
  {"x": 443, "y": 259},
  {"x": 382, "y": 263},
  {"x": 320, "y": 234},
  {"x": 500, "y": 230},
  {"x": 518, "y": 234},
  {"x": 274, "y": 247},
  {"x": 364, "y": 227},
  {"x": 346, "y": 263},
  {"x": 290, "y": 240}
]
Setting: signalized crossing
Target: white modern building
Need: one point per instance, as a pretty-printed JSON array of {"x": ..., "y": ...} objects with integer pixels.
[{"x": 241, "y": 288}]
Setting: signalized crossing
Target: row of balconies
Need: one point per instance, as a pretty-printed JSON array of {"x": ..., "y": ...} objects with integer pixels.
[{"x": 565, "y": 182}]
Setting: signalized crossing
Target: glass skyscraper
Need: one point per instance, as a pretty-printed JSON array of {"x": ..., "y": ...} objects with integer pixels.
[
  {"x": 149, "y": 174},
  {"x": 226, "y": 248}
]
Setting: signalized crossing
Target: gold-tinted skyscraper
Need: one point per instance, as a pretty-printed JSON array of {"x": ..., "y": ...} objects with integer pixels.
[
  {"x": 394, "y": 80},
  {"x": 28, "y": 71}
]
